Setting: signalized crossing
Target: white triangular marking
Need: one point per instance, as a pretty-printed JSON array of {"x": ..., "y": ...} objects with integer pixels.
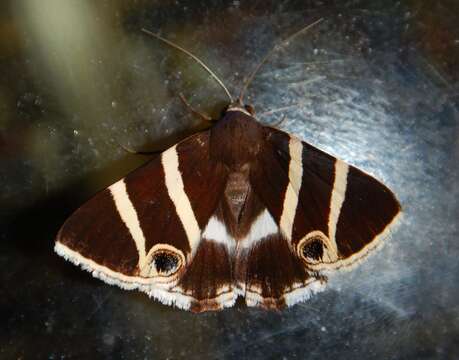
[
  {"x": 263, "y": 226},
  {"x": 216, "y": 231}
]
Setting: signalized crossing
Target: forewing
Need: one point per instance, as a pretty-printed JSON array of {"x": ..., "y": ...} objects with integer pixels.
[
  {"x": 329, "y": 215},
  {"x": 144, "y": 232},
  {"x": 347, "y": 211}
]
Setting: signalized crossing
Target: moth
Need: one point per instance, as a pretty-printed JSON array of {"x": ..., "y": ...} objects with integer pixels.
[{"x": 239, "y": 210}]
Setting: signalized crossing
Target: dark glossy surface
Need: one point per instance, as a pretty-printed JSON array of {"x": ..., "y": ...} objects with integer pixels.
[{"x": 375, "y": 84}]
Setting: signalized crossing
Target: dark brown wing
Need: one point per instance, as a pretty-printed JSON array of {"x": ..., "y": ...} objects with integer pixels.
[
  {"x": 144, "y": 231},
  {"x": 329, "y": 215},
  {"x": 267, "y": 271},
  {"x": 349, "y": 210}
]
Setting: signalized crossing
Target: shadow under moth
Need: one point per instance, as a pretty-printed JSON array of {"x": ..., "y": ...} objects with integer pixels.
[{"x": 239, "y": 210}]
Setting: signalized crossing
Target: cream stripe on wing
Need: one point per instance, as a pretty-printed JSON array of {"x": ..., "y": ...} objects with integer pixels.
[
  {"x": 295, "y": 175},
  {"x": 176, "y": 190},
  {"x": 337, "y": 199},
  {"x": 129, "y": 216}
]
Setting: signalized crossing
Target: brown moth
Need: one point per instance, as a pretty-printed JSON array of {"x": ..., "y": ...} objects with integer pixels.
[{"x": 239, "y": 210}]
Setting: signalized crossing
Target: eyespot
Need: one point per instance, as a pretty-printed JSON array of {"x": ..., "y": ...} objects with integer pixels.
[
  {"x": 313, "y": 250},
  {"x": 163, "y": 261},
  {"x": 316, "y": 248}
]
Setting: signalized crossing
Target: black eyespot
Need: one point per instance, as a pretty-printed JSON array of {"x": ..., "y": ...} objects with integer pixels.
[
  {"x": 165, "y": 262},
  {"x": 313, "y": 250}
]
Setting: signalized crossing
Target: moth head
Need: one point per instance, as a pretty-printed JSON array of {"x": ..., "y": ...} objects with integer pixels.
[
  {"x": 315, "y": 248},
  {"x": 239, "y": 106},
  {"x": 250, "y": 109},
  {"x": 163, "y": 261}
]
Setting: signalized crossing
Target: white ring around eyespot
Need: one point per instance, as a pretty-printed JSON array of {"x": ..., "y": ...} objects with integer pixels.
[
  {"x": 329, "y": 255},
  {"x": 149, "y": 270}
]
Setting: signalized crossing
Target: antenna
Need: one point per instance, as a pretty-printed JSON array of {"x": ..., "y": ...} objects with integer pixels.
[
  {"x": 170, "y": 43},
  {"x": 270, "y": 53}
]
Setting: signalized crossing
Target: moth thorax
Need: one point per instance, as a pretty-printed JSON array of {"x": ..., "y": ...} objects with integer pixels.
[{"x": 236, "y": 139}]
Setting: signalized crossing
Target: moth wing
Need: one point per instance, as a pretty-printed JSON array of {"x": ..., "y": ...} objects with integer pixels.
[
  {"x": 347, "y": 210},
  {"x": 267, "y": 271},
  {"x": 144, "y": 231},
  {"x": 329, "y": 215}
]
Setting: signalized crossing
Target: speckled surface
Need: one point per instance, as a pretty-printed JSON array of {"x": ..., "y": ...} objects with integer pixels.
[{"x": 375, "y": 84}]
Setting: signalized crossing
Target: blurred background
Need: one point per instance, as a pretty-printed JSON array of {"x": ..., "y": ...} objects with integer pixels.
[{"x": 375, "y": 84}]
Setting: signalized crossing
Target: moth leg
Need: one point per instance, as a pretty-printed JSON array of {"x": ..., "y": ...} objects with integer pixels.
[{"x": 201, "y": 115}]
